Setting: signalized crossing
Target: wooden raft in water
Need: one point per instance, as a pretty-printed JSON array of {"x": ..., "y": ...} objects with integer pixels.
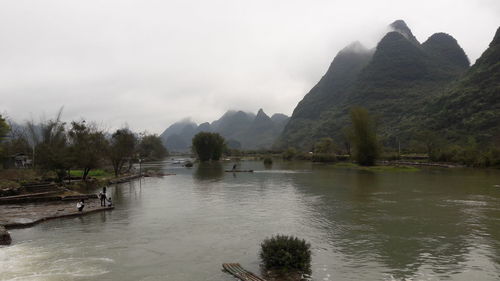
[{"x": 239, "y": 272}]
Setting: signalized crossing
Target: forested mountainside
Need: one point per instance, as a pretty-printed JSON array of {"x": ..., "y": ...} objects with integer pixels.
[
  {"x": 398, "y": 81},
  {"x": 242, "y": 130},
  {"x": 472, "y": 106}
]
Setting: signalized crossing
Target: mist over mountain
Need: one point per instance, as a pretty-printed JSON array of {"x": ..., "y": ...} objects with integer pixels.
[
  {"x": 396, "y": 82},
  {"x": 242, "y": 130}
]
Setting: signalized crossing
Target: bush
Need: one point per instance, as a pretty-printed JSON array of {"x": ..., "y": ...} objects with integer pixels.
[
  {"x": 470, "y": 156},
  {"x": 268, "y": 161},
  {"x": 289, "y": 154},
  {"x": 286, "y": 254},
  {"x": 9, "y": 188},
  {"x": 324, "y": 157}
]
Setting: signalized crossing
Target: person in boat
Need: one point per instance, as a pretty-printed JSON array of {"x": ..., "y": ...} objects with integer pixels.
[
  {"x": 110, "y": 203},
  {"x": 80, "y": 205}
]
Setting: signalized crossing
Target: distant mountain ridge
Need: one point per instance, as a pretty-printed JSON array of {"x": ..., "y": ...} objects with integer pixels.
[
  {"x": 242, "y": 130},
  {"x": 396, "y": 82}
]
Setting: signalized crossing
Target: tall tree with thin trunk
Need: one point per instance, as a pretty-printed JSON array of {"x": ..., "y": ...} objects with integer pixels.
[
  {"x": 364, "y": 137},
  {"x": 51, "y": 145}
]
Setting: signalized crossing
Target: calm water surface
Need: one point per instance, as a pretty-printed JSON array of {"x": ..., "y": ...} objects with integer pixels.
[{"x": 436, "y": 224}]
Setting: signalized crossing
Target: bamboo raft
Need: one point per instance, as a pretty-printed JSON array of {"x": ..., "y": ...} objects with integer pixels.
[
  {"x": 239, "y": 171},
  {"x": 239, "y": 272}
]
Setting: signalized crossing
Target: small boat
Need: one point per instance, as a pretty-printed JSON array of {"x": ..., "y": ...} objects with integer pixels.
[{"x": 239, "y": 171}]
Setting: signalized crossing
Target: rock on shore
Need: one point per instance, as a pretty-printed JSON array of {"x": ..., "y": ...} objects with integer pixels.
[{"x": 4, "y": 236}]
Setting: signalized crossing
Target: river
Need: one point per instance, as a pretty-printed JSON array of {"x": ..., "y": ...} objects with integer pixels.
[{"x": 433, "y": 224}]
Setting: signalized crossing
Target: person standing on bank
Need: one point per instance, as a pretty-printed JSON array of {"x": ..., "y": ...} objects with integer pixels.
[{"x": 102, "y": 197}]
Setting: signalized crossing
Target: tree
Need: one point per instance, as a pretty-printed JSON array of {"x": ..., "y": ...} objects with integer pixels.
[
  {"x": 364, "y": 137},
  {"x": 289, "y": 154},
  {"x": 324, "y": 151},
  {"x": 87, "y": 146},
  {"x": 208, "y": 146},
  {"x": 121, "y": 149},
  {"x": 151, "y": 148},
  {"x": 432, "y": 142},
  {"x": 347, "y": 139},
  {"x": 4, "y": 130},
  {"x": 51, "y": 145},
  {"x": 325, "y": 146},
  {"x": 17, "y": 142}
]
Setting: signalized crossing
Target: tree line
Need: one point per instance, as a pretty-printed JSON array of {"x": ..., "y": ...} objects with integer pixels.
[
  {"x": 59, "y": 147},
  {"x": 361, "y": 143}
]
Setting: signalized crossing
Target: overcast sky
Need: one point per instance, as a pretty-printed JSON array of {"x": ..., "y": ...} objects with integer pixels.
[{"x": 149, "y": 63}]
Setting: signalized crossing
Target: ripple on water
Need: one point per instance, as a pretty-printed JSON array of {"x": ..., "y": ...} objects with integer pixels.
[{"x": 25, "y": 261}]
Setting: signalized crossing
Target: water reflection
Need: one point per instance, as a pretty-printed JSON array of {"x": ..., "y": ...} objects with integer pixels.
[
  {"x": 209, "y": 171},
  {"x": 431, "y": 225},
  {"x": 379, "y": 217}
]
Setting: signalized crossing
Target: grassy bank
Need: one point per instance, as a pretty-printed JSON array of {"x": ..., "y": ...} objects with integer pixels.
[
  {"x": 383, "y": 168},
  {"x": 98, "y": 173}
]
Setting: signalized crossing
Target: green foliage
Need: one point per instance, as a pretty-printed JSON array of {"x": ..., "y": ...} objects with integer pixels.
[
  {"x": 87, "y": 145},
  {"x": 4, "y": 130},
  {"x": 286, "y": 254},
  {"x": 471, "y": 155},
  {"x": 9, "y": 188},
  {"x": 325, "y": 146},
  {"x": 397, "y": 168},
  {"x": 289, "y": 154},
  {"x": 471, "y": 107},
  {"x": 51, "y": 146},
  {"x": 268, "y": 161},
  {"x": 97, "y": 173},
  {"x": 364, "y": 137},
  {"x": 17, "y": 143},
  {"x": 151, "y": 148},
  {"x": 324, "y": 151},
  {"x": 324, "y": 157},
  {"x": 208, "y": 146},
  {"x": 122, "y": 149},
  {"x": 412, "y": 87}
]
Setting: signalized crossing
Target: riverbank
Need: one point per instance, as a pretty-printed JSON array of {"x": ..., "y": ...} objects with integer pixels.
[
  {"x": 26, "y": 215},
  {"x": 30, "y": 207}
]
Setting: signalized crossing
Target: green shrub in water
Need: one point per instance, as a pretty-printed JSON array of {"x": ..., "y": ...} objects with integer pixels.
[
  {"x": 268, "y": 161},
  {"x": 286, "y": 254},
  {"x": 324, "y": 157}
]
